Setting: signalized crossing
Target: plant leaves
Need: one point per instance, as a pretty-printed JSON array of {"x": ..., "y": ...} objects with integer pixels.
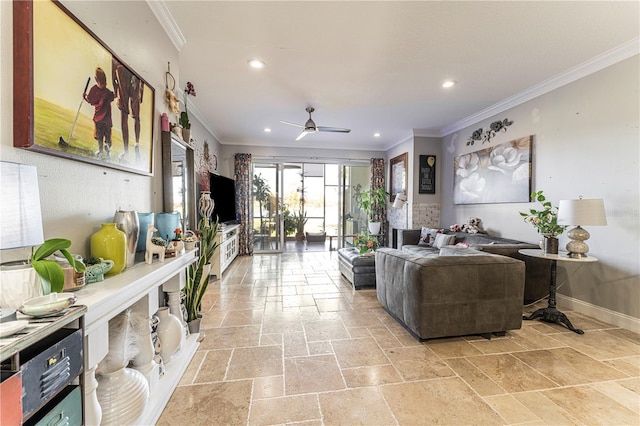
[
  {"x": 49, "y": 247},
  {"x": 51, "y": 275}
]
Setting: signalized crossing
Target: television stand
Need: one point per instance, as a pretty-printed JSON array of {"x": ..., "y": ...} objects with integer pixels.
[{"x": 228, "y": 247}]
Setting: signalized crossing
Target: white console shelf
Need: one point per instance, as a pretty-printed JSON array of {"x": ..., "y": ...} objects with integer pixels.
[
  {"x": 135, "y": 288},
  {"x": 228, "y": 247}
]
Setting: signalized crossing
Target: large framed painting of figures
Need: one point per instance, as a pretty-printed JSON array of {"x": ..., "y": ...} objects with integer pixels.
[
  {"x": 73, "y": 97},
  {"x": 498, "y": 174}
]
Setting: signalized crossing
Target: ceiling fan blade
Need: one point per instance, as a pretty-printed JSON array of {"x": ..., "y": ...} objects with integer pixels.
[
  {"x": 292, "y": 124},
  {"x": 302, "y": 135},
  {"x": 333, "y": 129}
]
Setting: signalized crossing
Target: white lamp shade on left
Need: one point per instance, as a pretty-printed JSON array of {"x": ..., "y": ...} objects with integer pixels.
[{"x": 21, "y": 219}]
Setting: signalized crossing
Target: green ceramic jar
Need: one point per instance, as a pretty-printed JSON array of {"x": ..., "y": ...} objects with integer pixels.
[{"x": 110, "y": 243}]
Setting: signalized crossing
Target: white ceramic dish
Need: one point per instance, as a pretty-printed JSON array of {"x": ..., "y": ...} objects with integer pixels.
[
  {"x": 47, "y": 305},
  {"x": 12, "y": 327}
]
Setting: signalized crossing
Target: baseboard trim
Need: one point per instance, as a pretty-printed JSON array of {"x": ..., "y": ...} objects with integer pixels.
[{"x": 598, "y": 312}]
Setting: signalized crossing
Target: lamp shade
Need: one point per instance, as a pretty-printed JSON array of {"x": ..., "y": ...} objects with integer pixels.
[
  {"x": 398, "y": 203},
  {"x": 583, "y": 212},
  {"x": 21, "y": 219}
]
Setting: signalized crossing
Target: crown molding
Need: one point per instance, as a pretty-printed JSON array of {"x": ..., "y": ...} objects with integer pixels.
[
  {"x": 425, "y": 133},
  {"x": 164, "y": 17},
  {"x": 595, "y": 64},
  {"x": 195, "y": 112}
]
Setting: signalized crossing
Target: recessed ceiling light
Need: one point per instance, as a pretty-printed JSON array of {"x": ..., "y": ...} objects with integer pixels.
[
  {"x": 376, "y": 135},
  {"x": 267, "y": 130},
  {"x": 449, "y": 83},
  {"x": 256, "y": 63}
]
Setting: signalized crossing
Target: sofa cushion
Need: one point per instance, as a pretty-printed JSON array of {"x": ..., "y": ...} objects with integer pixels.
[
  {"x": 460, "y": 251},
  {"x": 442, "y": 240},
  {"x": 422, "y": 251}
]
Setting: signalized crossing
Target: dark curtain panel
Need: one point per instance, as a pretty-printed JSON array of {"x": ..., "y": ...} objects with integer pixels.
[
  {"x": 377, "y": 181},
  {"x": 242, "y": 167}
]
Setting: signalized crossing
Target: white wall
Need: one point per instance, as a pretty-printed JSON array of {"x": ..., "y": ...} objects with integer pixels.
[
  {"x": 586, "y": 142},
  {"x": 75, "y": 196}
]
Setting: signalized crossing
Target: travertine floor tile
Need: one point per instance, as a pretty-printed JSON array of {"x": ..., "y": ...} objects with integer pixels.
[
  {"x": 355, "y": 407},
  {"x": 358, "y": 352},
  {"x": 231, "y": 337},
  {"x": 447, "y": 401},
  {"x": 591, "y": 406},
  {"x": 511, "y": 409},
  {"x": 268, "y": 387},
  {"x": 476, "y": 379},
  {"x": 260, "y": 361},
  {"x": 545, "y": 409},
  {"x": 325, "y": 330},
  {"x": 418, "y": 363},
  {"x": 566, "y": 366},
  {"x": 452, "y": 348},
  {"x": 316, "y": 373},
  {"x": 214, "y": 403},
  {"x": 284, "y": 410},
  {"x": 510, "y": 373},
  {"x": 600, "y": 345},
  {"x": 214, "y": 366},
  {"x": 371, "y": 376}
]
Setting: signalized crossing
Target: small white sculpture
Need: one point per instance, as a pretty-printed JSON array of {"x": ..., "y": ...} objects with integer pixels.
[{"x": 153, "y": 248}]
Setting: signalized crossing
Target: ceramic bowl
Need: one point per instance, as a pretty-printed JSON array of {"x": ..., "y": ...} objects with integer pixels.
[{"x": 51, "y": 304}]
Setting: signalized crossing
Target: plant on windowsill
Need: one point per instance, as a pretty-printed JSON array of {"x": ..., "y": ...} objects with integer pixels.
[{"x": 198, "y": 274}]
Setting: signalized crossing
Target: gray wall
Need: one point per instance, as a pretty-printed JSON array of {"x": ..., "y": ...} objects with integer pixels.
[{"x": 586, "y": 142}]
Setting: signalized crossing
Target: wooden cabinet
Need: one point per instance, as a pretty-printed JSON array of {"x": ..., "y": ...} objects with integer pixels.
[
  {"x": 228, "y": 248},
  {"x": 42, "y": 371}
]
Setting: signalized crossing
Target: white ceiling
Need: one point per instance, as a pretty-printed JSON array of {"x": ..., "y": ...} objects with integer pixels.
[{"x": 378, "y": 66}]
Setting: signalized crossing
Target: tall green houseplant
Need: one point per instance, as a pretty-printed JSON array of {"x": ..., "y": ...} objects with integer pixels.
[{"x": 198, "y": 272}]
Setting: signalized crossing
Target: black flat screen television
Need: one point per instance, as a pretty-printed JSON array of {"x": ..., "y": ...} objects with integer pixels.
[{"x": 223, "y": 194}]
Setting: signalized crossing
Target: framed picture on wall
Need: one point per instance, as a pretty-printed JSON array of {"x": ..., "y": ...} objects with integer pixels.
[
  {"x": 398, "y": 175},
  {"x": 498, "y": 174},
  {"x": 427, "y": 174},
  {"x": 73, "y": 97}
]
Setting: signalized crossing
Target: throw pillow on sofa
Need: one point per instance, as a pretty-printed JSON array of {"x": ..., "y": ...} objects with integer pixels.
[
  {"x": 428, "y": 236},
  {"x": 442, "y": 240}
]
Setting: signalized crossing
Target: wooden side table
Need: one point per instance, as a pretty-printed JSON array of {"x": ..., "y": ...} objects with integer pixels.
[{"x": 550, "y": 313}]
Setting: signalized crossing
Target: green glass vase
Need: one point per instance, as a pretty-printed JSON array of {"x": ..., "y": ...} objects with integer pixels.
[{"x": 110, "y": 243}]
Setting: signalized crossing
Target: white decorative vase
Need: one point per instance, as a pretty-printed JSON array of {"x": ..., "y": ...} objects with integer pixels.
[
  {"x": 122, "y": 395},
  {"x": 205, "y": 205},
  {"x": 374, "y": 228},
  {"x": 170, "y": 334},
  {"x": 19, "y": 283}
]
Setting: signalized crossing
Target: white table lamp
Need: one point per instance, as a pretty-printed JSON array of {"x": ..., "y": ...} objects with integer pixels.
[
  {"x": 20, "y": 226},
  {"x": 581, "y": 212}
]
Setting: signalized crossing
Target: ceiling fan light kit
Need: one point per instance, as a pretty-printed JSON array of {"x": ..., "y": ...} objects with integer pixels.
[{"x": 310, "y": 126}]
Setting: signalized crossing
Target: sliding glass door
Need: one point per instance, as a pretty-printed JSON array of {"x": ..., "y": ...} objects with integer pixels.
[{"x": 266, "y": 207}]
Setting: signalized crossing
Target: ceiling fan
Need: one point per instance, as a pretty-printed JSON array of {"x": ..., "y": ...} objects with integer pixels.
[{"x": 310, "y": 126}]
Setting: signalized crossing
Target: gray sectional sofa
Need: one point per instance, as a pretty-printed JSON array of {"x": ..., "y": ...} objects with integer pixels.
[
  {"x": 538, "y": 271},
  {"x": 454, "y": 291}
]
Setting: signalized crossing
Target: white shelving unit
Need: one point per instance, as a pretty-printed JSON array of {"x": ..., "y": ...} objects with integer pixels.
[
  {"x": 228, "y": 247},
  {"x": 136, "y": 288}
]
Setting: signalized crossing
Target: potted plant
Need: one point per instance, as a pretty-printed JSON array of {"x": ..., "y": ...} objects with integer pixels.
[
  {"x": 184, "y": 116},
  {"x": 366, "y": 243},
  {"x": 370, "y": 202},
  {"x": 198, "y": 274},
  {"x": 300, "y": 220},
  {"x": 50, "y": 272},
  {"x": 546, "y": 222},
  {"x": 96, "y": 268}
]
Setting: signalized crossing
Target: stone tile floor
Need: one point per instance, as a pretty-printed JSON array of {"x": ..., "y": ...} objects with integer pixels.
[{"x": 287, "y": 341}]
